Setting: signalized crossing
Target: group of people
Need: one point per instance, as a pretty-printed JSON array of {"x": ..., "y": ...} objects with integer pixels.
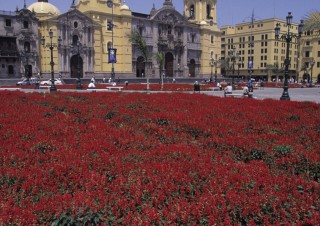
[{"x": 246, "y": 89}]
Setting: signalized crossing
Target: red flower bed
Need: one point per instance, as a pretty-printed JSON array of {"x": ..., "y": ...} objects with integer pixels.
[{"x": 159, "y": 159}]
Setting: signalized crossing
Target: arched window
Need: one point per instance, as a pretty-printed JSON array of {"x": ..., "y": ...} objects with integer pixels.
[
  {"x": 27, "y": 47},
  {"x": 75, "y": 39},
  {"x": 192, "y": 11},
  {"x": 169, "y": 29},
  {"x": 25, "y": 24}
]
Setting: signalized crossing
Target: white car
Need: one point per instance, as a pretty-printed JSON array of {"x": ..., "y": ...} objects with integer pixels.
[{"x": 48, "y": 82}]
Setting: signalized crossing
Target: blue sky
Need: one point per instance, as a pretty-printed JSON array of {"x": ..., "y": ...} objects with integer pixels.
[{"x": 229, "y": 12}]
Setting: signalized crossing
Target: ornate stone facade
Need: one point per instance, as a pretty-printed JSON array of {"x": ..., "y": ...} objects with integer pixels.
[{"x": 189, "y": 42}]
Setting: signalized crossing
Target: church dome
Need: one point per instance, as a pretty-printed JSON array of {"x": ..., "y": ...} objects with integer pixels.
[
  {"x": 124, "y": 6},
  {"x": 44, "y": 7}
]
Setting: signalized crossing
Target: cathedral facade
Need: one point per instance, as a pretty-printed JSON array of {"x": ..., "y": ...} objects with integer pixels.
[{"x": 81, "y": 40}]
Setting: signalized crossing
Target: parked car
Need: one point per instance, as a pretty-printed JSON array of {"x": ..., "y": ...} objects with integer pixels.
[
  {"x": 26, "y": 82},
  {"x": 57, "y": 81}
]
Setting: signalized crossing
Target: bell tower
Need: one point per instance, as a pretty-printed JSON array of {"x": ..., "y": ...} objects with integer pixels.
[{"x": 201, "y": 10}]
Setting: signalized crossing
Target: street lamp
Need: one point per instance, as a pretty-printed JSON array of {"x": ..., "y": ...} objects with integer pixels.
[
  {"x": 288, "y": 38},
  {"x": 239, "y": 64},
  {"x": 110, "y": 5},
  {"x": 214, "y": 63},
  {"x": 312, "y": 64},
  {"x": 79, "y": 86},
  {"x": 234, "y": 56},
  {"x": 51, "y": 46}
]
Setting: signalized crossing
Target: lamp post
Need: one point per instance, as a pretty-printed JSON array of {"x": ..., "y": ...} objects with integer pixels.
[
  {"x": 79, "y": 86},
  {"x": 51, "y": 46},
  {"x": 110, "y": 5},
  {"x": 234, "y": 56},
  {"x": 239, "y": 64},
  {"x": 312, "y": 64},
  {"x": 214, "y": 63},
  {"x": 288, "y": 38}
]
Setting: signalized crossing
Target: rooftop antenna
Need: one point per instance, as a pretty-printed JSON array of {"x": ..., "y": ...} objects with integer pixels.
[{"x": 25, "y": 5}]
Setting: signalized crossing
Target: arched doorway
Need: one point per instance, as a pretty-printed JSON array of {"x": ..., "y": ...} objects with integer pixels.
[
  {"x": 140, "y": 67},
  {"x": 169, "y": 64},
  {"x": 192, "y": 68},
  {"x": 75, "y": 61},
  {"x": 306, "y": 77},
  {"x": 28, "y": 71}
]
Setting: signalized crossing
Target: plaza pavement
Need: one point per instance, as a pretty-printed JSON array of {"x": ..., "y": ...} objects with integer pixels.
[{"x": 296, "y": 94}]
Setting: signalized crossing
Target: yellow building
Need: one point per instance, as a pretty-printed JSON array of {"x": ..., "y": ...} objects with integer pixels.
[
  {"x": 309, "y": 68},
  {"x": 250, "y": 50},
  {"x": 93, "y": 28}
]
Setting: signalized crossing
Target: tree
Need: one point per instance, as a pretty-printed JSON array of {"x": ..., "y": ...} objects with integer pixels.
[
  {"x": 274, "y": 68},
  {"x": 136, "y": 38},
  {"x": 160, "y": 60},
  {"x": 312, "y": 22}
]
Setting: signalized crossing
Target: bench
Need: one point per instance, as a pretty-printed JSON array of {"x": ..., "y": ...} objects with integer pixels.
[
  {"x": 10, "y": 88},
  {"x": 119, "y": 88},
  {"x": 97, "y": 90},
  {"x": 238, "y": 95},
  {"x": 233, "y": 95}
]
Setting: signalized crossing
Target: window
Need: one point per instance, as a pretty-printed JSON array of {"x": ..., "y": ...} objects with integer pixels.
[
  {"x": 262, "y": 43},
  {"x": 109, "y": 25},
  {"x": 265, "y": 36},
  {"x": 318, "y": 64},
  {"x": 169, "y": 30},
  {"x": 261, "y": 50},
  {"x": 265, "y": 58},
  {"x": 75, "y": 24},
  {"x": 261, "y": 58},
  {"x": 27, "y": 47},
  {"x": 319, "y": 42},
  {"x": 192, "y": 12},
  {"x": 10, "y": 69},
  {"x": 212, "y": 39},
  {"x": 25, "y": 24},
  {"x": 75, "y": 39},
  {"x": 262, "y": 37},
  {"x": 265, "y": 50},
  {"x": 8, "y": 23},
  {"x": 265, "y": 43},
  {"x": 307, "y": 43},
  {"x": 307, "y": 54},
  {"x": 318, "y": 53},
  {"x": 209, "y": 12}
]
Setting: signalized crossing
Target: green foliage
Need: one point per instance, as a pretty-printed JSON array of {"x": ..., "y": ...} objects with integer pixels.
[
  {"x": 136, "y": 38},
  {"x": 44, "y": 147},
  {"x": 163, "y": 122},
  {"x": 283, "y": 150},
  {"x": 110, "y": 115},
  {"x": 293, "y": 118},
  {"x": 82, "y": 219}
]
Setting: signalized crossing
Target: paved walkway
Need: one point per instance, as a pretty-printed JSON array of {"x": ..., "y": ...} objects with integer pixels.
[{"x": 296, "y": 94}]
